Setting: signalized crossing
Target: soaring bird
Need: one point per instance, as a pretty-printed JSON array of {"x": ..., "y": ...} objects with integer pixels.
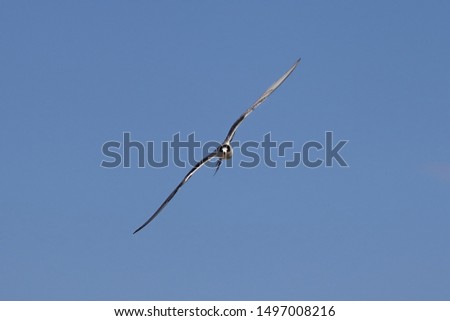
[{"x": 224, "y": 151}]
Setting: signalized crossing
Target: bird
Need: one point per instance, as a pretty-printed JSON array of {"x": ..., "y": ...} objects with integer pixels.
[{"x": 224, "y": 151}]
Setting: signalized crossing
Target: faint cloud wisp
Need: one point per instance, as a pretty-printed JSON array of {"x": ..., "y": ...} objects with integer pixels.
[{"x": 439, "y": 170}]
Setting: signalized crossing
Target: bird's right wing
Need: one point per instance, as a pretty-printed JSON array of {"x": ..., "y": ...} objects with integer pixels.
[
  {"x": 185, "y": 179},
  {"x": 258, "y": 102}
]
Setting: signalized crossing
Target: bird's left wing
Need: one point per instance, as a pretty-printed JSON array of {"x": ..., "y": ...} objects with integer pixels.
[{"x": 185, "y": 179}]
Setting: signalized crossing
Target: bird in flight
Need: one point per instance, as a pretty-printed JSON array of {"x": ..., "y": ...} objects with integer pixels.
[{"x": 224, "y": 151}]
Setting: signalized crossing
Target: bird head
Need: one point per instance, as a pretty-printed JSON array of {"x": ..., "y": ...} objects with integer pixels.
[{"x": 225, "y": 151}]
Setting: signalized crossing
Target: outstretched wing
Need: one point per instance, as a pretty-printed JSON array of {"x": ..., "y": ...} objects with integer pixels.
[
  {"x": 258, "y": 102},
  {"x": 185, "y": 179}
]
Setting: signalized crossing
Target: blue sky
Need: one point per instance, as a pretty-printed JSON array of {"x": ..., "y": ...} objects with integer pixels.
[{"x": 74, "y": 75}]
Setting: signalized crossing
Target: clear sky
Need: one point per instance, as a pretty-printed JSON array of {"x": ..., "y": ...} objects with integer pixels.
[{"x": 74, "y": 75}]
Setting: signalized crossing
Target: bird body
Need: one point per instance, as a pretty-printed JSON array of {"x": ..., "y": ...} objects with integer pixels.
[{"x": 225, "y": 150}]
